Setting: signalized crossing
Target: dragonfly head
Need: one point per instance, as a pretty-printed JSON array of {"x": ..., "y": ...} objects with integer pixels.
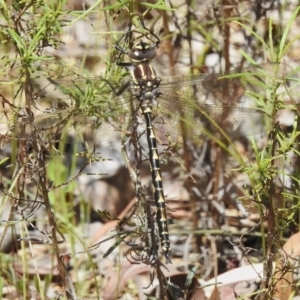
[{"x": 142, "y": 52}]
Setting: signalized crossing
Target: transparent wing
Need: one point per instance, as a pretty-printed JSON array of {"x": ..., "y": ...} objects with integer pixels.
[
  {"x": 70, "y": 124},
  {"x": 211, "y": 104},
  {"x": 203, "y": 104},
  {"x": 84, "y": 108}
]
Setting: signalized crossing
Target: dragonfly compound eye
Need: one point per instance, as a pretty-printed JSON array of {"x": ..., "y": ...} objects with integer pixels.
[
  {"x": 136, "y": 55},
  {"x": 142, "y": 52},
  {"x": 150, "y": 54}
]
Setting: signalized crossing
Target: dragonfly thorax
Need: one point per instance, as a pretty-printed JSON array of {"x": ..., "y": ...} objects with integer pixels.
[
  {"x": 144, "y": 72},
  {"x": 145, "y": 82},
  {"x": 146, "y": 90}
]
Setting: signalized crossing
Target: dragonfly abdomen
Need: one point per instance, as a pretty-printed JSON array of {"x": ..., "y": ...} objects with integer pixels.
[{"x": 159, "y": 197}]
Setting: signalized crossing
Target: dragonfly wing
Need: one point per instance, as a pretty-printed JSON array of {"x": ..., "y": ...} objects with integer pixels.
[
  {"x": 211, "y": 104},
  {"x": 212, "y": 121},
  {"x": 82, "y": 109},
  {"x": 71, "y": 125}
]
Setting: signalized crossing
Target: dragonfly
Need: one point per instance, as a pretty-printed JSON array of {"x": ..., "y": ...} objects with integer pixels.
[{"x": 200, "y": 105}]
